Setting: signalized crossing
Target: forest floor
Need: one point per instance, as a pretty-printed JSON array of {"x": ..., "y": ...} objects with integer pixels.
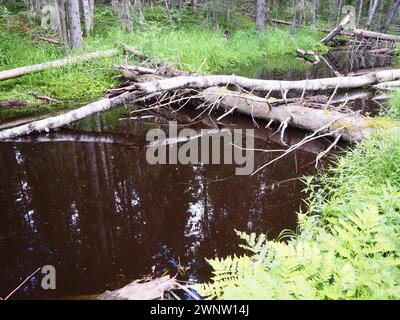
[{"x": 184, "y": 44}]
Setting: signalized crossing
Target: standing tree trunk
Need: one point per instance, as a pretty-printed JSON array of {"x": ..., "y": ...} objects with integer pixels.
[
  {"x": 75, "y": 24},
  {"x": 314, "y": 12},
  {"x": 127, "y": 16},
  {"x": 194, "y": 5},
  {"x": 393, "y": 9},
  {"x": 301, "y": 11},
  {"x": 116, "y": 6},
  {"x": 260, "y": 16},
  {"x": 63, "y": 24},
  {"x": 293, "y": 22},
  {"x": 138, "y": 11},
  {"x": 181, "y": 4},
  {"x": 360, "y": 8},
  {"x": 339, "y": 11},
  {"x": 87, "y": 16},
  {"x": 91, "y": 6},
  {"x": 373, "y": 4}
]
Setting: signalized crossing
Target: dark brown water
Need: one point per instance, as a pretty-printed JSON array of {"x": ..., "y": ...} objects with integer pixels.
[
  {"x": 100, "y": 213},
  {"x": 85, "y": 200}
]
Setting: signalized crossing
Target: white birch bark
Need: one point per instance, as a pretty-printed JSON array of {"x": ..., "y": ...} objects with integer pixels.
[
  {"x": 260, "y": 16},
  {"x": 74, "y": 24}
]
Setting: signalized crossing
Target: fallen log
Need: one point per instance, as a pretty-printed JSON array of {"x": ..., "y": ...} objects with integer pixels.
[
  {"x": 202, "y": 82},
  {"x": 65, "y": 118},
  {"x": 375, "y": 35},
  {"x": 339, "y": 28},
  {"x": 155, "y": 88},
  {"x": 355, "y": 127},
  {"x": 134, "y": 51},
  {"x": 288, "y": 23},
  {"x": 332, "y": 65},
  {"x": 364, "y": 71},
  {"x": 390, "y": 85},
  {"x": 18, "y": 72},
  {"x": 384, "y": 51},
  {"x": 151, "y": 290},
  {"x": 308, "y": 55}
]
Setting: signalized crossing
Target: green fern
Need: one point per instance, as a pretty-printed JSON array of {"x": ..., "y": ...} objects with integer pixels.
[{"x": 349, "y": 250}]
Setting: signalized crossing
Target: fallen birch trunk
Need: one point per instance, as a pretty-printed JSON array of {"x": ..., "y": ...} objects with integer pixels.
[
  {"x": 63, "y": 119},
  {"x": 307, "y": 118},
  {"x": 390, "y": 85},
  {"x": 202, "y": 82},
  {"x": 375, "y": 35},
  {"x": 339, "y": 28},
  {"x": 308, "y": 55},
  {"x": 18, "y": 72},
  {"x": 355, "y": 127}
]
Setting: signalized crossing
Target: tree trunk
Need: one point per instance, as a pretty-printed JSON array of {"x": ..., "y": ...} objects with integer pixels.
[
  {"x": 18, "y": 72},
  {"x": 75, "y": 24},
  {"x": 194, "y": 5},
  {"x": 201, "y": 82},
  {"x": 87, "y": 16},
  {"x": 339, "y": 11},
  {"x": 393, "y": 9},
  {"x": 360, "y": 8},
  {"x": 301, "y": 11},
  {"x": 64, "y": 27},
  {"x": 314, "y": 12},
  {"x": 138, "y": 11},
  {"x": 260, "y": 16},
  {"x": 127, "y": 16},
  {"x": 337, "y": 30},
  {"x": 293, "y": 23},
  {"x": 376, "y": 35},
  {"x": 356, "y": 128},
  {"x": 91, "y": 6},
  {"x": 115, "y": 4},
  {"x": 306, "y": 118},
  {"x": 371, "y": 12}
]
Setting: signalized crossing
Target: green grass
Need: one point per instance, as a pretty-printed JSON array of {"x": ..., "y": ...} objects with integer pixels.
[
  {"x": 394, "y": 104},
  {"x": 185, "y": 44}
]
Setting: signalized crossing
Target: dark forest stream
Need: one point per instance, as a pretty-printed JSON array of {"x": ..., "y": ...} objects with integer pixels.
[{"x": 103, "y": 216}]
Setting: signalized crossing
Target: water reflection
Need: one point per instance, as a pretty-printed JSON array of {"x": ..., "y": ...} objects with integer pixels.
[{"x": 88, "y": 203}]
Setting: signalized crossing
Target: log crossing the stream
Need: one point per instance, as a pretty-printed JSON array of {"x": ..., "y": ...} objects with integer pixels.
[{"x": 355, "y": 127}]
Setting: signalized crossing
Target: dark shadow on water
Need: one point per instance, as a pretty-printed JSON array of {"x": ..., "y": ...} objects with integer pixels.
[{"x": 86, "y": 201}]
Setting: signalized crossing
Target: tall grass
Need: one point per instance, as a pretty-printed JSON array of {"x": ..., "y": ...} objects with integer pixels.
[{"x": 394, "y": 104}]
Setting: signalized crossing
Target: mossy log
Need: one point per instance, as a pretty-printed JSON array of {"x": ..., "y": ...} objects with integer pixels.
[{"x": 355, "y": 127}]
